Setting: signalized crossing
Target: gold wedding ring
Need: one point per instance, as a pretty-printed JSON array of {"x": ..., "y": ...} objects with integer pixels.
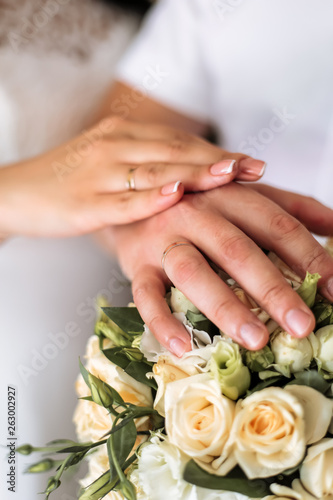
[
  {"x": 171, "y": 247},
  {"x": 130, "y": 182}
]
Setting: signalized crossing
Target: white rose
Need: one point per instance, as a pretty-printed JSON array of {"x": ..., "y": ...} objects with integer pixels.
[
  {"x": 268, "y": 433},
  {"x": 317, "y": 470},
  {"x": 98, "y": 463},
  {"x": 281, "y": 492},
  {"x": 198, "y": 421},
  {"x": 159, "y": 476},
  {"x": 290, "y": 351},
  {"x": 169, "y": 369},
  {"x": 318, "y": 411},
  {"x": 325, "y": 351}
]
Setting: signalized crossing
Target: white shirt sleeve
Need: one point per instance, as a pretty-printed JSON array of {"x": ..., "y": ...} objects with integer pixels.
[{"x": 164, "y": 61}]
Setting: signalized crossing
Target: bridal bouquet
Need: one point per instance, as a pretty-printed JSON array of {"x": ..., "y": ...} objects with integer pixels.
[{"x": 221, "y": 423}]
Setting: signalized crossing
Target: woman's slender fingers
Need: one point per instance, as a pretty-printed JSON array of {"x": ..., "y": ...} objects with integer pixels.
[
  {"x": 276, "y": 230},
  {"x": 178, "y": 151},
  {"x": 315, "y": 216},
  {"x": 149, "y": 176},
  {"x": 191, "y": 273},
  {"x": 234, "y": 252},
  {"x": 131, "y": 206},
  {"x": 148, "y": 293}
]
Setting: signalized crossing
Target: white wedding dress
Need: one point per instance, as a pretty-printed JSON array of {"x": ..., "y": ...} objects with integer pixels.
[{"x": 54, "y": 69}]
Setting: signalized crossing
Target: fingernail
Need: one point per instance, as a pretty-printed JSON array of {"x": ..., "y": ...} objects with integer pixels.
[
  {"x": 298, "y": 322},
  {"x": 253, "y": 336},
  {"x": 252, "y": 167},
  {"x": 177, "y": 346},
  {"x": 170, "y": 188},
  {"x": 223, "y": 167}
]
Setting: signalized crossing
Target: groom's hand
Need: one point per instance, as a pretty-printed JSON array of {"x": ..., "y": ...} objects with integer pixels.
[{"x": 227, "y": 225}]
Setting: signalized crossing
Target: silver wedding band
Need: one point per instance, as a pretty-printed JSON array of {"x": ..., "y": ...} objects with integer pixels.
[
  {"x": 171, "y": 247},
  {"x": 130, "y": 182}
]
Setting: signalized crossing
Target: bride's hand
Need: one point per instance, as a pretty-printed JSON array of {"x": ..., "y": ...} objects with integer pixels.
[
  {"x": 226, "y": 225},
  {"x": 84, "y": 185}
]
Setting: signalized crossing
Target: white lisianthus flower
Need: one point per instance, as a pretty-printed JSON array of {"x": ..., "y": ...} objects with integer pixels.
[
  {"x": 290, "y": 351},
  {"x": 318, "y": 411},
  {"x": 152, "y": 349},
  {"x": 98, "y": 463},
  {"x": 198, "y": 421},
  {"x": 268, "y": 433},
  {"x": 179, "y": 303},
  {"x": 159, "y": 475},
  {"x": 227, "y": 367},
  {"x": 317, "y": 470},
  {"x": 325, "y": 351}
]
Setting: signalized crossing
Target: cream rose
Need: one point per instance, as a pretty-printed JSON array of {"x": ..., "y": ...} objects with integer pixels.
[
  {"x": 317, "y": 470},
  {"x": 98, "y": 463},
  {"x": 296, "y": 492},
  {"x": 318, "y": 411},
  {"x": 268, "y": 433},
  {"x": 93, "y": 421},
  {"x": 198, "y": 421}
]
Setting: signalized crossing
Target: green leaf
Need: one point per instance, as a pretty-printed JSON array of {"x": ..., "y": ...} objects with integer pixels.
[
  {"x": 200, "y": 322},
  {"x": 234, "y": 481},
  {"x": 323, "y": 312},
  {"x": 123, "y": 442},
  {"x": 84, "y": 373},
  {"x": 99, "y": 488},
  {"x": 127, "y": 318},
  {"x": 136, "y": 370},
  {"x": 139, "y": 371},
  {"x": 308, "y": 289},
  {"x": 311, "y": 378},
  {"x": 264, "y": 384}
]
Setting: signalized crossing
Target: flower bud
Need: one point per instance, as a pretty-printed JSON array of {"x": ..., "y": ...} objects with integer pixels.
[
  {"x": 25, "y": 449},
  {"x": 325, "y": 349},
  {"x": 308, "y": 289},
  {"x": 42, "y": 466},
  {"x": 258, "y": 361},
  {"x": 228, "y": 369},
  {"x": 110, "y": 330},
  {"x": 292, "y": 352},
  {"x": 100, "y": 392},
  {"x": 133, "y": 354},
  {"x": 128, "y": 490},
  {"x": 179, "y": 303},
  {"x": 52, "y": 485}
]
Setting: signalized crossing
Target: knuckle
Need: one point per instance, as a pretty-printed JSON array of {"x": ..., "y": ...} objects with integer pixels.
[
  {"x": 273, "y": 294},
  {"x": 187, "y": 270},
  {"x": 315, "y": 260},
  {"x": 235, "y": 248},
  {"x": 283, "y": 224},
  {"x": 176, "y": 147},
  {"x": 124, "y": 202},
  {"x": 154, "y": 173},
  {"x": 141, "y": 292},
  {"x": 219, "y": 310}
]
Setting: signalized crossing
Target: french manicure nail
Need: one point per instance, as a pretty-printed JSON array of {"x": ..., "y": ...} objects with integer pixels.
[
  {"x": 252, "y": 167},
  {"x": 223, "y": 167},
  {"x": 170, "y": 188},
  {"x": 253, "y": 336},
  {"x": 177, "y": 346},
  {"x": 298, "y": 322}
]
